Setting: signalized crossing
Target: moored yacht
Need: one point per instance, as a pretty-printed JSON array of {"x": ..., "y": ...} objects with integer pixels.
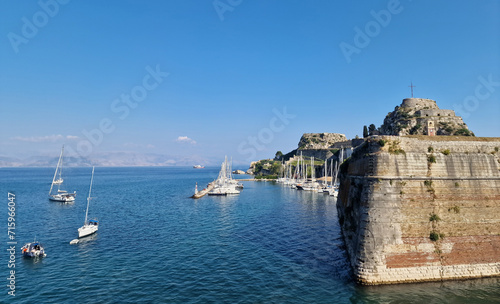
[
  {"x": 61, "y": 195},
  {"x": 90, "y": 226},
  {"x": 225, "y": 184}
]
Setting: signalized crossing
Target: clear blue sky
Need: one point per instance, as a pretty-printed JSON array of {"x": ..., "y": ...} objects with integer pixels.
[{"x": 229, "y": 65}]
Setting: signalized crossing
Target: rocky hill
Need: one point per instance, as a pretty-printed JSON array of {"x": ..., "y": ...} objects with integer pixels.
[
  {"x": 319, "y": 141},
  {"x": 418, "y": 116}
]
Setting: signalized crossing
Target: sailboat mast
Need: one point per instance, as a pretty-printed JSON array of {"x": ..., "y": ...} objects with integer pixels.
[
  {"x": 331, "y": 172},
  {"x": 62, "y": 157},
  {"x": 303, "y": 163},
  {"x": 313, "y": 170},
  {"x": 57, "y": 169},
  {"x": 88, "y": 198},
  {"x": 325, "y": 182},
  {"x": 337, "y": 166},
  {"x": 60, "y": 169}
]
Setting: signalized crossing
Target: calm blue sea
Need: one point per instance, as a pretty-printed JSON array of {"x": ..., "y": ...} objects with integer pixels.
[{"x": 270, "y": 244}]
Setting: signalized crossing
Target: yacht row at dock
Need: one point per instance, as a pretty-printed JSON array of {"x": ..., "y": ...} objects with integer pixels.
[
  {"x": 298, "y": 177},
  {"x": 223, "y": 185}
]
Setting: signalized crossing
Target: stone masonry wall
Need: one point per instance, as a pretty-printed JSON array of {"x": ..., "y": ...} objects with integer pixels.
[{"x": 396, "y": 197}]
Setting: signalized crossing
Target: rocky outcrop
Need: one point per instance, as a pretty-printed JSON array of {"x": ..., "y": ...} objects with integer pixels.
[
  {"x": 238, "y": 172},
  {"x": 251, "y": 169},
  {"x": 422, "y": 208},
  {"x": 415, "y": 116},
  {"x": 321, "y": 145},
  {"x": 318, "y": 141}
]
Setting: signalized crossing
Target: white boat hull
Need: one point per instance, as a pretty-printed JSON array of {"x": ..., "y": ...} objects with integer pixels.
[
  {"x": 66, "y": 198},
  {"x": 87, "y": 230},
  {"x": 224, "y": 191},
  {"x": 333, "y": 192}
]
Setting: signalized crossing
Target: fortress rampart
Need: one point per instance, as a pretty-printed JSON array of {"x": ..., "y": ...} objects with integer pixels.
[{"x": 421, "y": 208}]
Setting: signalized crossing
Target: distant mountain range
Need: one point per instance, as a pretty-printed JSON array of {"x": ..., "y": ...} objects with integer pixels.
[{"x": 112, "y": 159}]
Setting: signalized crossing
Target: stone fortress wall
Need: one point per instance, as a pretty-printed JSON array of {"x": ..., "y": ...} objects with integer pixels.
[
  {"x": 422, "y": 208},
  {"x": 434, "y": 112},
  {"x": 419, "y": 103}
]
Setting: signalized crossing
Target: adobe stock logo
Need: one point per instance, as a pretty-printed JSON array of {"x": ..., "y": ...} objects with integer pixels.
[
  {"x": 265, "y": 135},
  {"x": 122, "y": 107},
  {"x": 371, "y": 29},
  {"x": 483, "y": 91},
  {"x": 223, "y": 6},
  {"x": 29, "y": 29}
]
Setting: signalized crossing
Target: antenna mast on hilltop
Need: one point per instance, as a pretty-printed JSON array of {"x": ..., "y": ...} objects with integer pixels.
[{"x": 412, "y": 86}]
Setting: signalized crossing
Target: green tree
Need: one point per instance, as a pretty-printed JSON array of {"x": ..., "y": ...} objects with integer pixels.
[
  {"x": 257, "y": 168},
  {"x": 278, "y": 155},
  {"x": 275, "y": 168},
  {"x": 365, "y": 131},
  {"x": 371, "y": 129}
]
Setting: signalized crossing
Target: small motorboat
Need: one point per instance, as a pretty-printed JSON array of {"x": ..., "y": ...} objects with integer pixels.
[{"x": 33, "y": 250}]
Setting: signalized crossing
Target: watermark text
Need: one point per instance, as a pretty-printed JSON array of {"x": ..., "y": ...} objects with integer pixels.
[
  {"x": 265, "y": 135},
  {"x": 31, "y": 26},
  {"x": 223, "y": 6},
  {"x": 121, "y": 107},
  {"x": 483, "y": 91},
  {"x": 11, "y": 243},
  {"x": 363, "y": 37}
]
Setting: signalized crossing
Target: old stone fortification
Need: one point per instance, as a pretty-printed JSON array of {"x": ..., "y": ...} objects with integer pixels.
[
  {"x": 422, "y": 208},
  {"x": 413, "y": 116}
]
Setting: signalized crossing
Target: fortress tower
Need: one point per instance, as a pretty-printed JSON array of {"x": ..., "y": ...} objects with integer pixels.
[{"x": 420, "y": 116}]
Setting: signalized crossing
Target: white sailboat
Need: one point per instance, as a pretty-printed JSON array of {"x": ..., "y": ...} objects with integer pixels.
[
  {"x": 311, "y": 185},
  {"x": 90, "y": 226},
  {"x": 298, "y": 178},
  {"x": 61, "y": 195},
  {"x": 225, "y": 184}
]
